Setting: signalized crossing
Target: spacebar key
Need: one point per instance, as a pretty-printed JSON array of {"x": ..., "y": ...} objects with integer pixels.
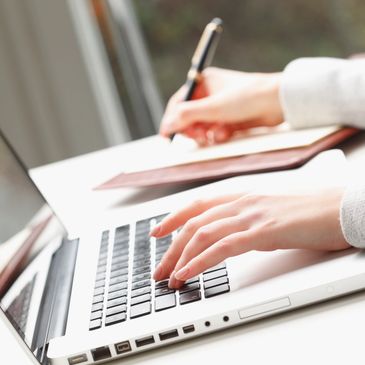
[{"x": 139, "y": 310}]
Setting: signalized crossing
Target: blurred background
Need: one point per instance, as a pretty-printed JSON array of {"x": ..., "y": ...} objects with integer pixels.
[{"x": 80, "y": 75}]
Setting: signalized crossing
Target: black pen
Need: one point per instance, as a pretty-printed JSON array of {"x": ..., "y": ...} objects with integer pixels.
[{"x": 202, "y": 57}]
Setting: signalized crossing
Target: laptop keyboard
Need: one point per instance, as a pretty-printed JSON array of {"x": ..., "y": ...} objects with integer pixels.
[
  {"x": 19, "y": 308},
  {"x": 124, "y": 289}
]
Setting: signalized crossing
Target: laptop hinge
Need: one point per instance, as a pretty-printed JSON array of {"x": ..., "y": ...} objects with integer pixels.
[{"x": 55, "y": 302}]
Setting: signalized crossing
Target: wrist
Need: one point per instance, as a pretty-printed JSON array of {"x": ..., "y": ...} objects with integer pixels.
[{"x": 272, "y": 110}]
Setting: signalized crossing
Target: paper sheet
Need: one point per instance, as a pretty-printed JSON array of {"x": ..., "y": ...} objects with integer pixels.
[{"x": 184, "y": 150}]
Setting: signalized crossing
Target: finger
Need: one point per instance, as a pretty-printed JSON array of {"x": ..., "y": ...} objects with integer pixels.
[
  {"x": 187, "y": 113},
  {"x": 170, "y": 258},
  {"x": 209, "y": 235},
  {"x": 180, "y": 217},
  {"x": 233, "y": 245}
]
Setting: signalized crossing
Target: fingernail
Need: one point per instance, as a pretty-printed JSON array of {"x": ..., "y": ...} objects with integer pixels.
[
  {"x": 172, "y": 280},
  {"x": 182, "y": 274},
  {"x": 155, "y": 230},
  {"x": 157, "y": 273}
]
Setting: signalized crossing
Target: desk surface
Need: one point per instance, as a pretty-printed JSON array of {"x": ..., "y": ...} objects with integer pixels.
[{"x": 331, "y": 332}]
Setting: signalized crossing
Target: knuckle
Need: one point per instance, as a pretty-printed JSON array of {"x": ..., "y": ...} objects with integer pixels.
[
  {"x": 190, "y": 226},
  {"x": 199, "y": 203},
  {"x": 226, "y": 248},
  {"x": 202, "y": 234}
]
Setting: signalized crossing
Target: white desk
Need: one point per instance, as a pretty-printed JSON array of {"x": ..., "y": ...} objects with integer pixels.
[{"x": 329, "y": 333}]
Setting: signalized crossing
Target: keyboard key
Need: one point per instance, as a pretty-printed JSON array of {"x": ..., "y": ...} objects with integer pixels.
[
  {"x": 141, "y": 270},
  {"x": 143, "y": 262},
  {"x": 102, "y": 262},
  {"x": 95, "y": 324},
  {"x": 117, "y": 294},
  {"x": 140, "y": 277},
  {"x": 96, "y": 315},
  {"x": 189, "y": 297},
  {"x": 164, "y": 291},
  {"x": 161, "y": 249},
  {"x": 119, "y": 266},
  {"x": 118, "y": 279},
  {"x": 141, "y": 284},
  {"x": 141, "y": 299},
  {"x": 99, "y": 284},
  {"x": 214, "y": 274},
  {"x": 141, "y": 291},
  {"x": 117, "y": 301},
  {"x": 140, "y": 257},
  {"x": 98, "y": 299},
  {"x": 215, "y": 282},
  {"x": 161, "y": 284},
  {"x": 121, "y": 272},
  {"x": 165, "y": 301},
  {"x": 116, "y": 287},
  {"x": 159, "y": 256},
  {"x": 215, "y": 268},
  {"x": 117, "y": 318},
  {"x": 189, "y": 287},
  {"x": 195, "y": 279},
  {"x": 97, "y": 307},
  {"x": 140, "y": 310},
  {"x": 98, "y": 291},
  {"x": 216, "y": 290},
  {"x": 120, "y": 260},
  {"x": 116, "y": 310},
  {"x": 100, "y": 276}
]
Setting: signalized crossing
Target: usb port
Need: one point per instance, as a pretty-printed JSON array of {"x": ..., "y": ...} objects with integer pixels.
[
  {"x": 78, "y": 359},
  {"x": 101, "y": 353},
  {"x": 145, "y": 341},
  {"x": 188, "y": 329},
  {"x": 122, "y": 347},
  {"x": 168, "y": 334}
]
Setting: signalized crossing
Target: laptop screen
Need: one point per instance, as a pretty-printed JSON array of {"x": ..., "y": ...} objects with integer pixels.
[{"x": 26, "y": 222}]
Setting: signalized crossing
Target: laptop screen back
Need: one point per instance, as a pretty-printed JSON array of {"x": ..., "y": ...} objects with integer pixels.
[{"x": 25, "y": 218}]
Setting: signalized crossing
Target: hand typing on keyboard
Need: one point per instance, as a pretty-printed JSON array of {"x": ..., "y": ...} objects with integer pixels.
[{"x": 217, "y": 228}]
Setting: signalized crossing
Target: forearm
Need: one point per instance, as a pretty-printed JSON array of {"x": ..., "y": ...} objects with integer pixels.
[{"x": 324, "y": 91}]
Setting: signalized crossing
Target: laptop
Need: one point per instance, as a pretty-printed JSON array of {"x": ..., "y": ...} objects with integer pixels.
[{"x": 91, "y": 298}]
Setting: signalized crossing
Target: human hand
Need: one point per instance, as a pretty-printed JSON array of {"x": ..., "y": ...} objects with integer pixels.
[
  {"x": 224, "y": 102},
  {"x": 218, "y": 228}
]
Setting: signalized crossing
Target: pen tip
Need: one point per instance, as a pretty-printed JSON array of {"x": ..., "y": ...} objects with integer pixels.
[{"x": 217, "y": 21}]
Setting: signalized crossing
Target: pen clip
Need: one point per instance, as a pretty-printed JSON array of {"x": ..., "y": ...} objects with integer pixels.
[{"x": 210, "y": 35}]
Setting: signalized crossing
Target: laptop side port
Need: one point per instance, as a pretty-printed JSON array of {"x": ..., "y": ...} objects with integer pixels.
[
  {"x": 189, "y": 329},
  {"x": 101, "y": 353},
  {"x": 123, "y": 347},
  {"x": 145, "y": 341},
  {"x": 78, "y": 359},
  {"x": 168, "y": 334}
]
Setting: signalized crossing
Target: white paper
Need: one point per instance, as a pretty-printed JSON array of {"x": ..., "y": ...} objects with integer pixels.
[{"x": 184, "y": 150}]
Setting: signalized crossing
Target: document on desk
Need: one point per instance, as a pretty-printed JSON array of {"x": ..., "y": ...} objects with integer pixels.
[
  {"x": 258, "y": 150},
  {"x": 184, "y": 150}
]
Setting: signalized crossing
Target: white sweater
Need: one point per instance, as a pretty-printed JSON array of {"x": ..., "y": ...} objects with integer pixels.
[{"x": 325, "y": 91}]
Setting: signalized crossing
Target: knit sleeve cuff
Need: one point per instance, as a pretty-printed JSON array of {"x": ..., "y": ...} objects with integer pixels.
[
  {"x": 307, "y": 92},
  {"x": 352, "y": 215}
]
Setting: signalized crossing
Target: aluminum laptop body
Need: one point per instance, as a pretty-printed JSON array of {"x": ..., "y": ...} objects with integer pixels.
[{"x": 90, "y": 298}]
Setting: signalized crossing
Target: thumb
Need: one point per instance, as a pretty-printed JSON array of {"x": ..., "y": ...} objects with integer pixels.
[{"x": 187, "y": 113}]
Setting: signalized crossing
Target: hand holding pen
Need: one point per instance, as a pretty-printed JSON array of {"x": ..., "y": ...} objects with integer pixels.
[{"x": 223, "y": 102}]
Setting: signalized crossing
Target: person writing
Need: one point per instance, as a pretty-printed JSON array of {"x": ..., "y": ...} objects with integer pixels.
[{"x": 309, "y": 92}]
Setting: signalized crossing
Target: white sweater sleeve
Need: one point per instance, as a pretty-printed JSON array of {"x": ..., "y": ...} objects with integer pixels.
[{"x": 325, "y": 91}]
